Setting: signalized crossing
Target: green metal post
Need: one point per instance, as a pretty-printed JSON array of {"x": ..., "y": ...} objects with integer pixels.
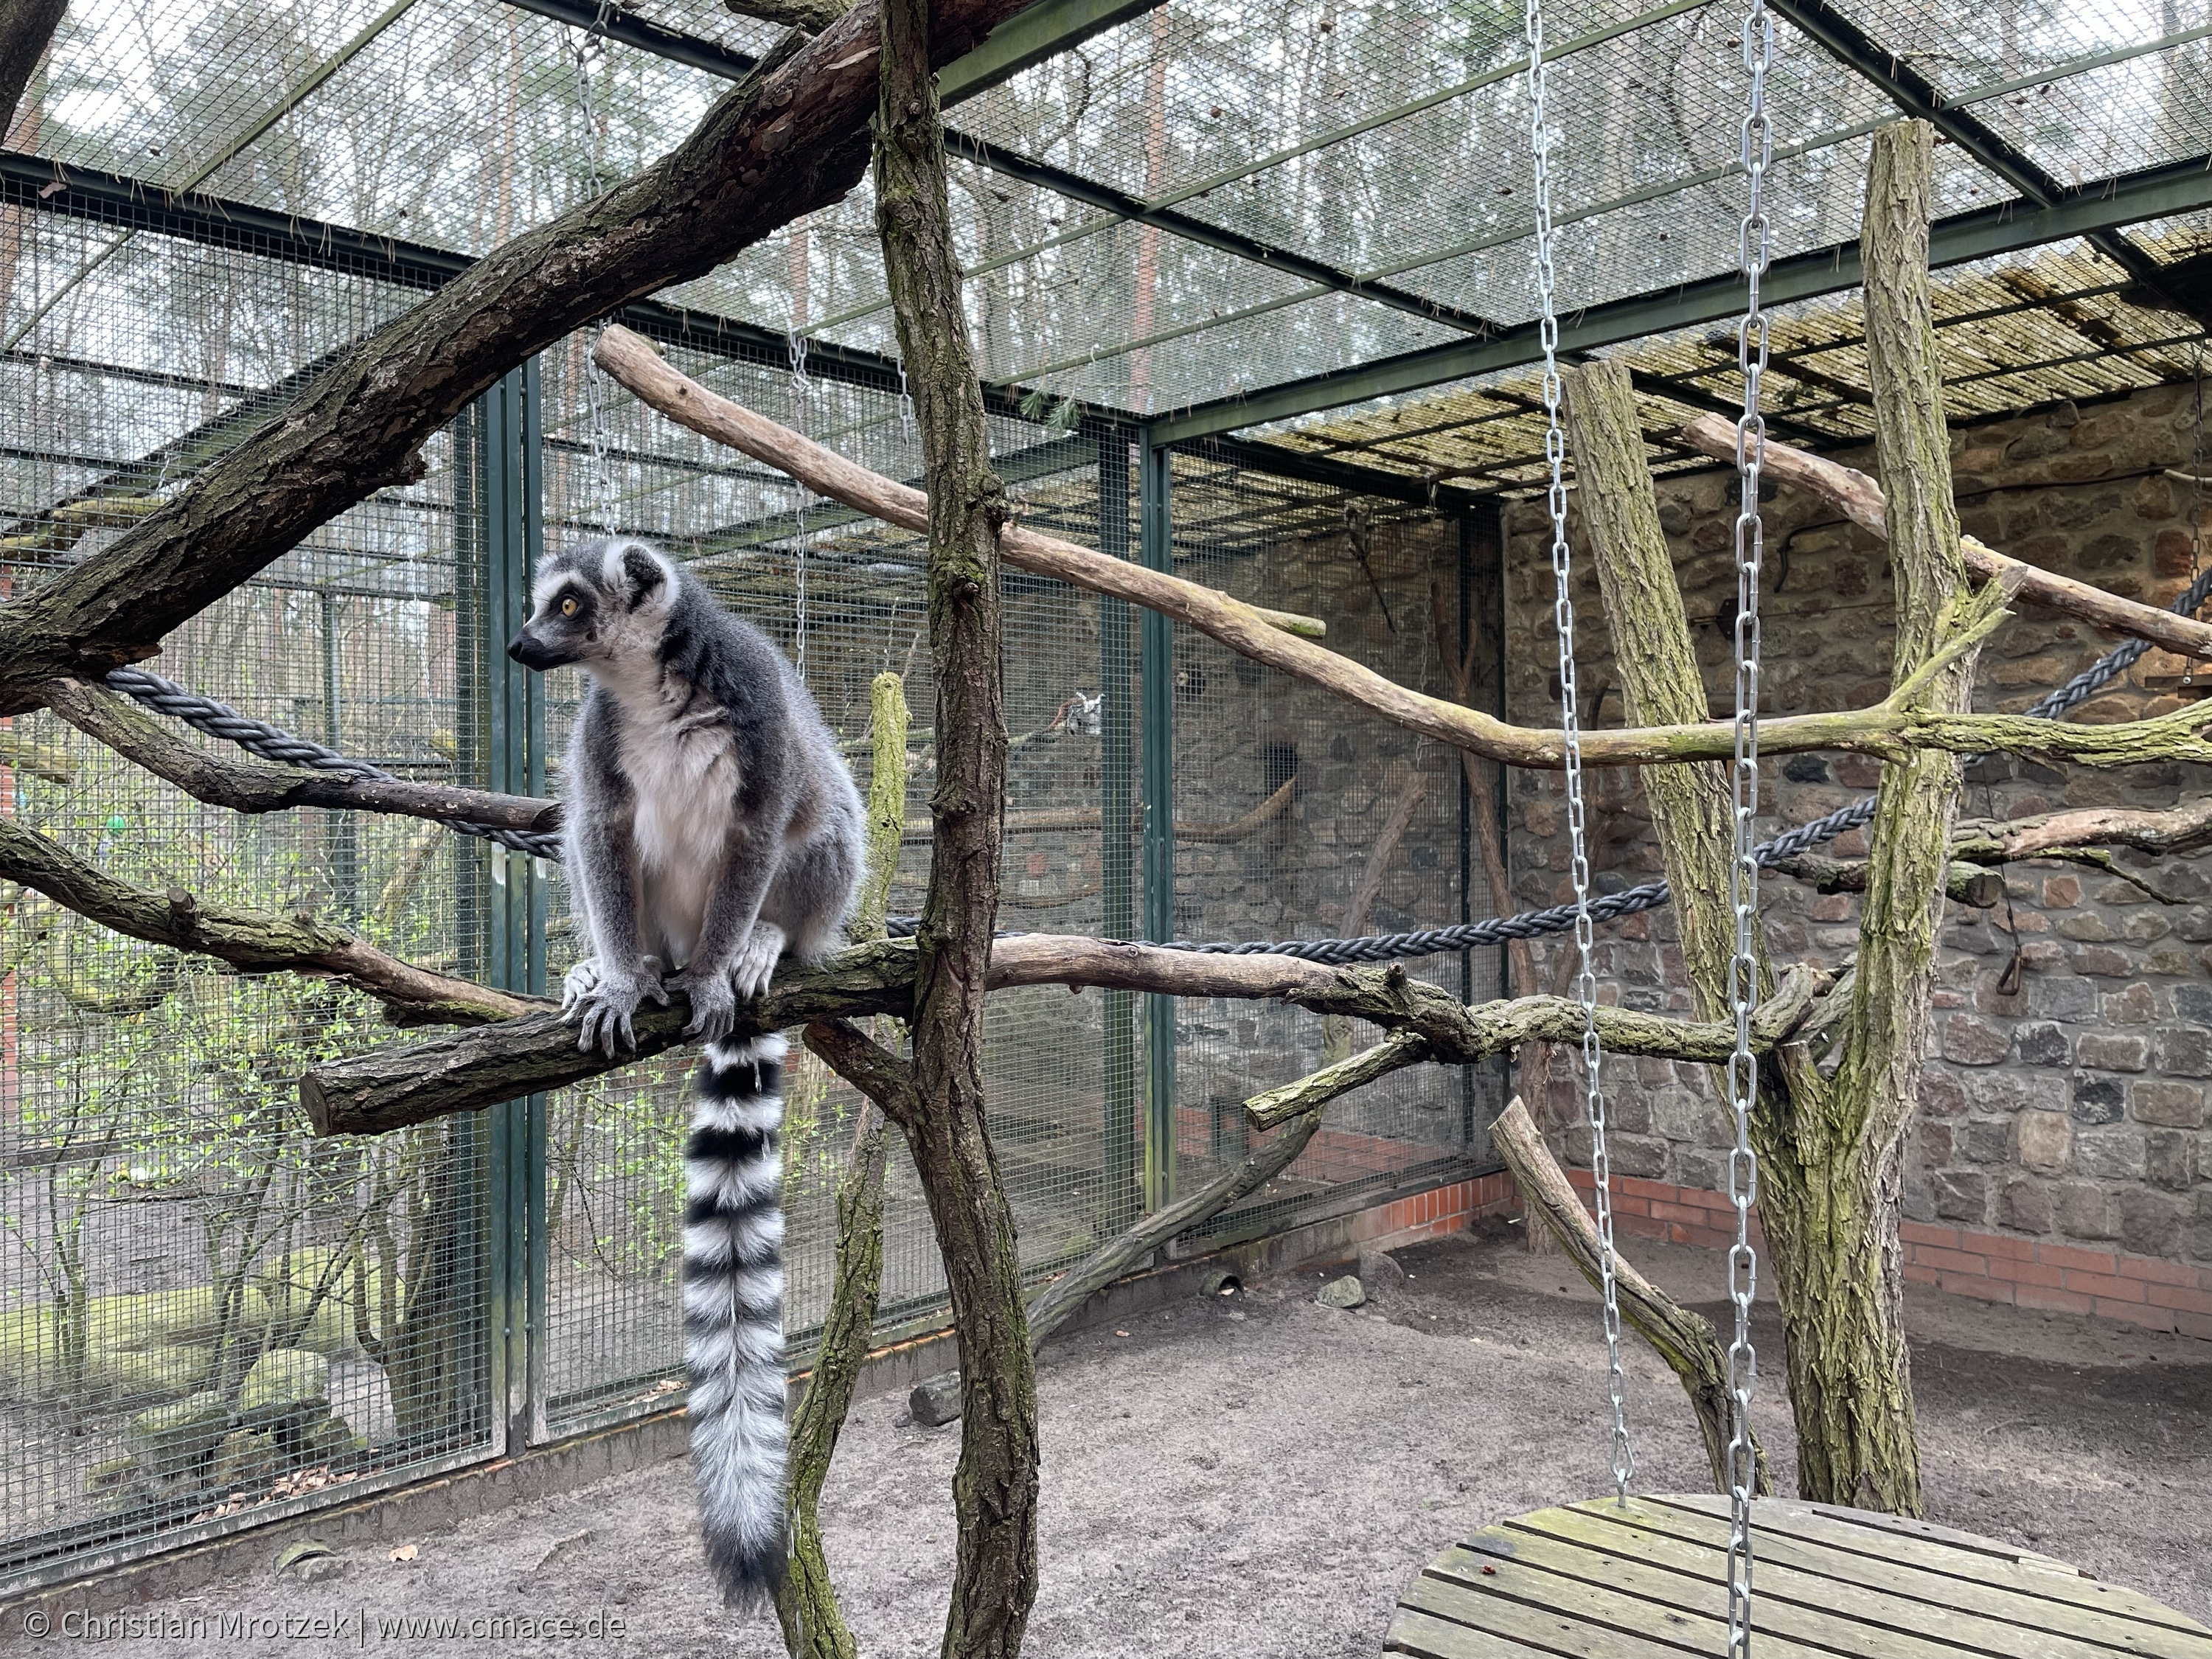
[
  {"x": 345, "y": 832},
  {"x": 511, "y": 493},
  {"x": 1157, "y": 665},
  {"x": 1124, "y": 1174}
]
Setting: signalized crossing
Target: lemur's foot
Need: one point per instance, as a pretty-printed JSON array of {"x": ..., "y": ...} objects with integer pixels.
[
  {"x": 582, "y": 982},
  {"x": 602, "y": 1005},
  {"x": 754, "y": 964}
]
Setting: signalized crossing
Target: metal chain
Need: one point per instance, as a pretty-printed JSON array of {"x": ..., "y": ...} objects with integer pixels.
[
  {"x": 2195, "y": 484},
  {"x": 1753, "y": 251},
  {"x": 802, "y": 399},
  {"x": 602, "y": 475},
  {"x": 1563, "y": 612}
]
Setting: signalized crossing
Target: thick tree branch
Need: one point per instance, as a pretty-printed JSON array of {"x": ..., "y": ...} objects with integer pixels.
[
  {"x": 790, "y": 138},
  {"x": 26, "y": 28},
  {"x": 632, "y": 360},
  {"x": 1692, "y": 807},
  {"x": 390, "y": 1088},
  {"x": 869, "y": 1066},
  {"x": 1859, "y": 498},
  {"x": 995, "y": 1482},
  {"x": 2184, "y": 828},
  {"x": 251, "y": 941},
  {"x": 1892, "y": 729},
  {"x": 1686, "y": 1341},
  {"x": 256, "y": 786},
  {"x": 812, "y": 16}
]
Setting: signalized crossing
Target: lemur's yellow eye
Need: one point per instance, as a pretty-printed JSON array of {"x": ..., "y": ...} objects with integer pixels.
[{"x": 569, "y": 607}]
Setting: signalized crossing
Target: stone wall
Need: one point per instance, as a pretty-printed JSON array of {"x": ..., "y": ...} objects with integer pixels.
[{"x": 2066, "y": 1101}]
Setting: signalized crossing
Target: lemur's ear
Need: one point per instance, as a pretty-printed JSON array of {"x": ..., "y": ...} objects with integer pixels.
[{"x": 643, "y": 575}]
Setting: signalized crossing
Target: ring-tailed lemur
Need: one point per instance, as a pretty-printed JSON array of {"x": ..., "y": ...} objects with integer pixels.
[{"x": 711, "y": 827}]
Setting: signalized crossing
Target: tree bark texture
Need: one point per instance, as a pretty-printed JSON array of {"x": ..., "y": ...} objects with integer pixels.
[
  {"x": 1692, "y": 807},
  {"x": 994, "y": 1483},
  {"x": 632, "y": 360},
  {"x": 1890, "y": 730},
  {"x": 1686, "y": 1341},
  {"x": 26, "y": 27},
  {"x": 1859, "y": 498},
  {"x": 806, "y": 1603},
  {"x": 1831, "y": 1217},
  {"x": 791, "y": 138},
  {"x": 254, "y": 785}
]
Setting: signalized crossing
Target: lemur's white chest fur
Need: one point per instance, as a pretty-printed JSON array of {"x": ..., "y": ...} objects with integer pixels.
[{"x": 681, "y": 760}]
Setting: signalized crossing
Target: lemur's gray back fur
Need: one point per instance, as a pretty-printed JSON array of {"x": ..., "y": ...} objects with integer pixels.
[{"x": 711, "y": 827}]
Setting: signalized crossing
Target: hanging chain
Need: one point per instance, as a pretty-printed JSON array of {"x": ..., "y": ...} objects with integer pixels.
[
  {"x": 2195, "y": 484},
  {"x": 593, "y": 45},
  {"x": 1753, "y": 251},
  {"x": 1555, "y": 453},
  {"x": 802, "y": 393}
]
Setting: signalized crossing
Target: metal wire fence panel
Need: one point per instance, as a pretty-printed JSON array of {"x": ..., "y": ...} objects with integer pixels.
[
  {"x": 205, "y": 1313},
  {"x": 845, "y": 596},
  {"x": 1296, "y": 816}
]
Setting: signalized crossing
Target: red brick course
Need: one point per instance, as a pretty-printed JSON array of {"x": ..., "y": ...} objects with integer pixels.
[{"x": 2026, "y": 1273}]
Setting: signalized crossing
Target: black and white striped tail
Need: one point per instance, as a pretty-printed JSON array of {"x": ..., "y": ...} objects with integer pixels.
[{"x": 733, "y": 1314}]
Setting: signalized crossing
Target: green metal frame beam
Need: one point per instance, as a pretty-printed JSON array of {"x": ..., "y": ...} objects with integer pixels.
[
  {"x": 1835, "y": 33},
  {"x": 2009, "y": 228},
  {"x": 1029, "y": 38}
]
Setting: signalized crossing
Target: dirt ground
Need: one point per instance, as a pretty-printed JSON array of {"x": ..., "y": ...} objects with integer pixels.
[{"x": 1253, "y": 1477}]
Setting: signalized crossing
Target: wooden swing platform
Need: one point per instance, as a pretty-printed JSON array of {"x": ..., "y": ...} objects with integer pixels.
[{"x": 1602, "y": 1581}]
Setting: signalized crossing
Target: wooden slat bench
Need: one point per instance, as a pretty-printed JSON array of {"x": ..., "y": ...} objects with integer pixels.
[{"x": 1602, "y": 1580}]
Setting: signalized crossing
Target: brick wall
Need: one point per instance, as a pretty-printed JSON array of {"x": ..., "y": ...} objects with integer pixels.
[
  {"x": 1995, "y": 1267},
  {"x": 2067, "y": 1109}
]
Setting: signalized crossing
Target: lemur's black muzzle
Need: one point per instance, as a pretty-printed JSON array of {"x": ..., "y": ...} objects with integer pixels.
[{"x": 526, "y": 649}]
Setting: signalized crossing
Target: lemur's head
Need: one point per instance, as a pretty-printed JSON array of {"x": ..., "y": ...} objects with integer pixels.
[{"x": 601, "y": 603}]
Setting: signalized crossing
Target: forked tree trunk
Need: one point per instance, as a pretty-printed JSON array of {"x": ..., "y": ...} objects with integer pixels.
[
  {"x": 1829, "y": 1146},
  {"x": 994, "y": 1485}
]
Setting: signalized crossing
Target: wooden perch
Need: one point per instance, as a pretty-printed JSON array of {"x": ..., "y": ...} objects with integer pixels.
[
  {"x": 1089, "y": 818},
  {"x": 1686, "y": 1341},
  {"x": 251, "y": 941},
  {"x": 632, "y": 360},
  {"x": 791, "y": 137},
  {"x": 2184, "y": 828},
  {"x": 1964, "y": 883},
  {"x": 1892, "y": 729},
  {"x": 258, "y": 786},
  {"x": 390, "y": 1088},
  {"x": 1859, "y": 498}
]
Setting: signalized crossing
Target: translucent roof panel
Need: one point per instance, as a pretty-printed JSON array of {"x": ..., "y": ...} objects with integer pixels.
[
  {"x": 2052, "y": 324},
  {"x": 1301, "y": 152},
  {"x": 453, "y": 123}
]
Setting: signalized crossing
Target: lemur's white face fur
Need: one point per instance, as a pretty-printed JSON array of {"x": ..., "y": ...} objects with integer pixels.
[{"x": 598, "y": 606}]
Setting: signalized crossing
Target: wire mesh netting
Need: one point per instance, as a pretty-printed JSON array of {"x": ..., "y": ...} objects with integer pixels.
[
  {"x": 203, "y": 1310},
  {"x": 1299, "y": 817}
]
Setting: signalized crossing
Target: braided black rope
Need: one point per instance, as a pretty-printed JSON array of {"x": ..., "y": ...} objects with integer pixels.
[{"x": 274, "y": 743}]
